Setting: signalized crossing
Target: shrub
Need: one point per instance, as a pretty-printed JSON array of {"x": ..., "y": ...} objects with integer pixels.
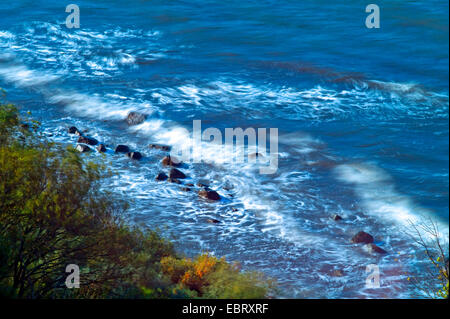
[
  {"x": 211, "y": 277},
  {"x": 53, "y": 212}
]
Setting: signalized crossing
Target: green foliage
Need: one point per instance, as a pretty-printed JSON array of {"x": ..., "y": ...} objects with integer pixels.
[{"x": 53, "y": 212}]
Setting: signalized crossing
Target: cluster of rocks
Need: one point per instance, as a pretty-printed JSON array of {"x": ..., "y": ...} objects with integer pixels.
[
  {"x": 174, "y": 166},
  {"x": 175, "y": 175},
  {"x": 84, "y": 144}
]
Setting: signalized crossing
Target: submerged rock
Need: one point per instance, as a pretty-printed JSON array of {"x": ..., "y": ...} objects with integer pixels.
[
  {"x": 170, "y": 161},
  {"x": 101, "y": 148},
  {"x": 83, "y": 148},
  {"x": 134, "y": 155},
  {"x": 372, "y": 248},
  {"x": 74, "y": 130},
  {"x": 204, "y": 185},
  {"x": 160, "y": 147},
  {"x": 213, "y": 221},
  {"x": 122, "y": 149},
  {"x": 135, "y": 118},
  {"x": 209, "y": 194},
  {"x": 337, "y": 273},
  {"x": 362, "y": 237},
  {"x": 185, "y": 189},
  {"x": 161, "y": 177},
  {"x": 336, "y": 217},
  {"x": 87, "y": 140},
  {"x": 175, "y": 173},
  {"x": 174, "y": 180}
]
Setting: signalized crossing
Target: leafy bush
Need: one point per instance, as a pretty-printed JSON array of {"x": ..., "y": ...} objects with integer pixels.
[
  {"x": 54, "y": 213},
  {"x": 211, "y": 277}
]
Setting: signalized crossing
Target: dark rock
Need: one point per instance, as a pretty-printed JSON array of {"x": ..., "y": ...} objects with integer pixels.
[
  {"x": 185, "y": 189},
  {"x": 101, "y": 148},
  {"x": 161, "y": 177},
  {"x": 174, "y": 180},
  {"x": 83, "y": 148},
  {"x": 336, "y": 217},
  {"x": 135, "y": 118},
  {"x": 362, "y": 237},
  {"x": 87, "y": 140},
  {"x": 175, "y": 173},
  {"x": 73, "y": 130},
  {"x": 25, "y": 126},
  {"x": 213, "y": 221},
  {"x": 190, "y": 184},
  {"x": 372, "y": 248},
  {"x": 202, "y": 185},
  {"x": 170, "y": 161},
  {"x": 233, "y": 209},
  {"x": 160, "y": 147},
  {"x": 134, "y": 155},
  {"x": 122, "y": 149},
  {"x": 209, "y": 194},
  {"x": 337, "y": 273}
]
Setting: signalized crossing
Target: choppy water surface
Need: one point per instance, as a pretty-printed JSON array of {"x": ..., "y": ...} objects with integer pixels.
[{"x": 362, "y": 117}]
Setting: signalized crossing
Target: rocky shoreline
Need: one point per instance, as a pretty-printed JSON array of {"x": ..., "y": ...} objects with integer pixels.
[{"x": 172, "y": 172}]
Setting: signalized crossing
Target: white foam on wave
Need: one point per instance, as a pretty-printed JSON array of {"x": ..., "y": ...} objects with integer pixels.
[
  {"x": 380, "y": 198},
  {"x": 6, "y": 35},
  {"x": 371, "y": 99},
  {"x": 21, "y": 76},
  {"x": 97, "y": 106},
  {"x": 81, "y": 52}
]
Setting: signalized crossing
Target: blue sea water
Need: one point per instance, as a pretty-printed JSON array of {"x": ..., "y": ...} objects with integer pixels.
[{"x": 362, "y": 116}]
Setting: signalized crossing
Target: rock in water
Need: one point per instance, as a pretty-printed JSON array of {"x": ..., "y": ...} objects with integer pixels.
[
  {"x": 83, "y": 148},
  {"x": 122, "y": 149},
  {"x": 175, "y": 173},
  {"x": 174, "y": 180},
  {"x": 73, "y": 130},
  {"x": 337, "y": 273},
  {"x": 336, "y": 217},
  {"x": 362, "y": 237},
  {"x": 160, "y": 147},
  {"x": 161, "y": 177},
  {"x": 372, "y": 248},
  {"x": 170, "y": 161},
  {"x": 87, "y": 140},
  {"x": 135, "y": 118},
  {"x": 203, "y": 184},
  {"x": 101, "y": 148},
  {"x": 209, "y": 194},
  {"x": 134, "y": 155},
  {"x": 213, "y": 221}
]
